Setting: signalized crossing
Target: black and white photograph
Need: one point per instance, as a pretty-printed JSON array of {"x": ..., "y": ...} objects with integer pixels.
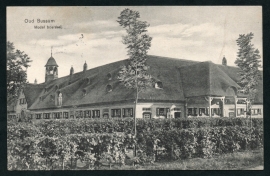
[{"x": 134, "y": 88}]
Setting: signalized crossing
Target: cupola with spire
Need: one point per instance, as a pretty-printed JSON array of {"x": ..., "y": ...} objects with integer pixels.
[
  {"x": 224, "y": 61},
  {"x": 51, "y": 72}
]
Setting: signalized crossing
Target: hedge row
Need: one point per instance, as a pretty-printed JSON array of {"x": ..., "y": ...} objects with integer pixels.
[
  {"x": 77, "y": 126},
  {"x": 30, "y": 148}
]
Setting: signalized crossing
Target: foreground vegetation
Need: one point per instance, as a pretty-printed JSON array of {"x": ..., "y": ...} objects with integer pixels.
[
  {"x": 243, "y": 160},
  {"x": 70, "y": 145}
]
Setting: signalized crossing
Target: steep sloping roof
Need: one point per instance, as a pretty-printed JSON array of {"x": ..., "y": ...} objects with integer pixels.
[
  {"x": 180, "y": 78},
  {"x": 31, "y": 92},
  {"x": 232, "y": 72},
  {"x": 51, "y": 62},
  {"x": 205, "y": 78}
]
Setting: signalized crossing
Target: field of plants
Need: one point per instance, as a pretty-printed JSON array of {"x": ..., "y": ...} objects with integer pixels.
[{"x": 94, "y": 143}]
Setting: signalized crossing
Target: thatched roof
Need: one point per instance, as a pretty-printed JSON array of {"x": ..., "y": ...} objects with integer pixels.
[
  {"x": 205, "y": 78},
  {"x": 180, "y": 78}
]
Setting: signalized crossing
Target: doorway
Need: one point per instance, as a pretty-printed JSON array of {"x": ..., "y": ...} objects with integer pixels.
[{"x": 177, "y": 115}]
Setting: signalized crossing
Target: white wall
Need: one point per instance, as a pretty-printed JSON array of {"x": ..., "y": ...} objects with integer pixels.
[{"x": 154, "y": 106}]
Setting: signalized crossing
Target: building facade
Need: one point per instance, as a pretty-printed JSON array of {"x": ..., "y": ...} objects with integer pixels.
[{"x": 182, "y": 89}]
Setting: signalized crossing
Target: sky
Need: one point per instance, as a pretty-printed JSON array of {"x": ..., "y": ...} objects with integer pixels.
[{"x": 92, "y": 34}]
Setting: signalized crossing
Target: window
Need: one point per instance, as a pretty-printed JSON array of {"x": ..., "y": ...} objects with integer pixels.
[
  {"x": 79, "y": 114},
  {"x": 105, "y": 113},
  {"x": 259, "y": 111},
  {"x": 22, "y": 101},
  {"x": 56, "y": 87},
  {"x": 128, "y": 112},
  {"x": 192, "y": 112},
  {"x": 215, "y": 111},
  {"x": 146, "y": 109},
  {"x": 147, "y": 115},
  {"x": 57, "y": 115},
  {"x": 109, "y": 88},
  {"x": 162, "y": 111},
  {"x": 116, "y": 113},
  {"x": 96, "y": 113},
  {"x": 254, "y": 111},
  {"x": 201, "y": 111},
  {"x": 240, "y": 111},
  {"x": 207, "y": 111},
  {"x": 65, "y": 115},
  {"x": 159, "y": 85},
  {"x": 46, "y": 116},
  {"x": 38, "y": 116},
  {"x": 87, "y": 114},
  {"x": 195, "y": 111}
]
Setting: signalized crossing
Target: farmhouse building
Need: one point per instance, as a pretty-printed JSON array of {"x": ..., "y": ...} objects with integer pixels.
[{"x": 182, "y": 88}]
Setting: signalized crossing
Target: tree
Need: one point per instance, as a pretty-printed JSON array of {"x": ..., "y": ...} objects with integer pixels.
[
  {"x": 134, "y": 75},
  {"x": 248, "y": 60},
  {"x": 17, "y": 64}
]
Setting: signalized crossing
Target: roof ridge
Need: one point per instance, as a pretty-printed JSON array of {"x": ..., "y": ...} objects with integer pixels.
[{"x": 173, "y": 58}]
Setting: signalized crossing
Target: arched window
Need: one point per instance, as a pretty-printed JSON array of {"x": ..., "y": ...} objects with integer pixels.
[
  {"x": 109, "y": 88},
  {"x": 51, "y": 70},
  {"x": 55, "y": 71},
  {"x": 159, "y": 85},
  {"x": 109, "y": 76}
]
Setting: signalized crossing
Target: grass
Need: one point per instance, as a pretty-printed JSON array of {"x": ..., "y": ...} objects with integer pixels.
[{"x": 236, "y": 161}]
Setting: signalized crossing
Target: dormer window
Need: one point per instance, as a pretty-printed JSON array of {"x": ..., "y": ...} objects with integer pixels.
[
  {"x": 87, "y": 80},
  {"x": 59, "y": 98},
  {"x": 40, "y": 98},
  {"x": 109, "y": 88},
  {"x": 159, "y": 85},
  {"x": 84, "y": 92},
  {"x": 109, "y": 76},
  {"x": 56, "y": 87},
  {"x": 45, "y": 89}
]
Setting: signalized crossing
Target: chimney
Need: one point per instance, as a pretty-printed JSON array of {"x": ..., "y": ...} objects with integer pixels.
[
  {"x": 84, "y": 67},
  {"x": 35, "y": 82},
  {"x": 224, "y": 61},
  {"x": 71, "y": 71}
]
